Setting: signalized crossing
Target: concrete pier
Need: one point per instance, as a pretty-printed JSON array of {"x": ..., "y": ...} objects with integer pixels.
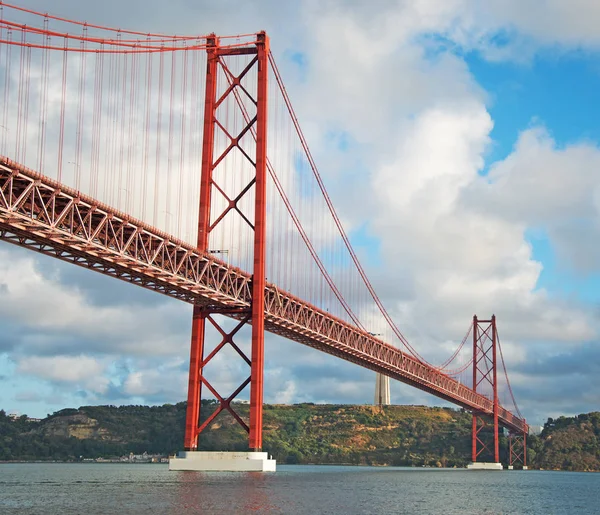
[
  {"x": 479, "y": 465},
  {"x": 222, "y": 461}
]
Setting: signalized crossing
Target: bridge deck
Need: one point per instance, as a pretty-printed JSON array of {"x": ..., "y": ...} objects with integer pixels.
[{"x": 43, "y": 215}]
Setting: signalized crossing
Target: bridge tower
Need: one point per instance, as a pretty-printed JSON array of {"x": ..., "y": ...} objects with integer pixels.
[
  {"x": 485, "y": 342},
  {"x": 517, "y": 450},
  {"x": 255, "y": 128}
]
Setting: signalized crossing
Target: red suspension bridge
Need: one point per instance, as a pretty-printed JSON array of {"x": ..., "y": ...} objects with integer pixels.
[{"x": 111, "y": 138}]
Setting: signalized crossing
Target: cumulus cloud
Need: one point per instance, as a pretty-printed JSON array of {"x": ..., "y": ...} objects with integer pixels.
[
  {"x": 166, "y": 381},
  {"x": 61, "y": 368},
  {"x": 79, "y": 370},
  {"x": 464, "y": 257},
  {"x": 40, "y": 320},
  {"x": 573, "y": 24},
  {"x": 551, "y": 188}
]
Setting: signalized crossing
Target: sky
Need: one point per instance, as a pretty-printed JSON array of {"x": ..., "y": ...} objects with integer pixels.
[{"x": 469, "y": 132}]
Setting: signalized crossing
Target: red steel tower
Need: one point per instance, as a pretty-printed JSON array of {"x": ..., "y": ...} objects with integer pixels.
[
  {"x": 485, "y": 373},
  {"x": 517, "y": 450},
  {"x": 255, "y": 126}
]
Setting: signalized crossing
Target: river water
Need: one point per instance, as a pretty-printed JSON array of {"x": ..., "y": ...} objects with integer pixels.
[{"x": 107, "y": 489}]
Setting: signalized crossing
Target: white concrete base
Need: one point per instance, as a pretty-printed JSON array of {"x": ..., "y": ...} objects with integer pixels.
[
  {"x": 510, "y": 467},
  {"x": 524, "y": 468},
  {"x": 222, "y": 461},
  {"x": 479, "y": 465}
]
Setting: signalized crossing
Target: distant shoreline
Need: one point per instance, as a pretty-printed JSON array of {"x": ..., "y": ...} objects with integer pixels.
[{"x": 33, "y": 462}]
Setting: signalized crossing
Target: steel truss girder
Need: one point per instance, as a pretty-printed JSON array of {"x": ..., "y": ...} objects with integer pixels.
[{"x": 43, "y": 215}]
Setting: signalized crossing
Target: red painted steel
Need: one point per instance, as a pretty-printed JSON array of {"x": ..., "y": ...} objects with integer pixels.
[
  {"x": 208, "y": 144},
  {"x": 43, "y": 215},
  {"x": 517, "y": 449},
  {"x": 194, "y": 383},
  {"x": 524, "y": 448},
  {"x": 485, "y": 364},
  {"x": 495, "y": 386},
  {"x": 260, "y": 232},
  {"x": 479, "y": 442},
  {"x": 255, "y": 315},
  {"x": 108, "y": 39},
  {"x": 199, "y": 314}
]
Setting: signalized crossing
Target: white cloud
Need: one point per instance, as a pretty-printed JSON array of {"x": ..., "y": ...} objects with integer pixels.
[
  {"x": 460, "y": 236},
  {"x": 82, "y": 370},
  {"x": 168, "y": 382},
  {"x": 549, "y": 188},
  {"x": 573, "y": 23},
  {"x": 46, "y": 307}
]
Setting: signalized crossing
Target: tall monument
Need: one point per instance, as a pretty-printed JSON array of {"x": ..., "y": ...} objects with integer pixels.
[{"x": 382, "y": 390}]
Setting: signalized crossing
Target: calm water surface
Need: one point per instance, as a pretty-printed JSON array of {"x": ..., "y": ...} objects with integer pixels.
[{"x": 106, "y": 489}]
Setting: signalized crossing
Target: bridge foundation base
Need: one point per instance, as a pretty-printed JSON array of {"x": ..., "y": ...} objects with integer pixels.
[
  {"x": 222, "y": 461},
  {"x": 480, "y": 465}
]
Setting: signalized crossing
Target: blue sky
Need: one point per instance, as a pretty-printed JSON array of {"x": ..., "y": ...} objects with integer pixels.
[
  {"x": 559, "y": 91},
  {"x": 459, "y": 142}
]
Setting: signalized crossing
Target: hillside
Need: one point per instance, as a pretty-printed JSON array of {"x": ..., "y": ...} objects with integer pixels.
[
  {"x": 570, "y": 443},
  {"x": 398, "y": 435},
  {"x": 301, "y": 433}
]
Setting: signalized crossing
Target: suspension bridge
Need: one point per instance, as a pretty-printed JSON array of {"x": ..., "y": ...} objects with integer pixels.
[{"x": 178, "y": 163}]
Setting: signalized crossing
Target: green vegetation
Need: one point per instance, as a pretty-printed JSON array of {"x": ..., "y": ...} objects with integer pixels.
[
  {"x": 398, "y": 435},
  {"x": 301, "y": 433},
  {"x": 569, "y": 443},
  {"x": 92, "y": 431}
]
